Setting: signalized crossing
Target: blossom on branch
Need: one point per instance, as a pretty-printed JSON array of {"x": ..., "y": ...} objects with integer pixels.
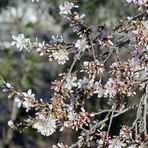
[
  {"x": 21, "y": 42},
  {"x": 45, "y": 125},
  {"x": 66, "y": 8},
  {"x": 81, "y": 44},
  {"x": 61, "y": 56},
  {"x": 70, "y": 82}
]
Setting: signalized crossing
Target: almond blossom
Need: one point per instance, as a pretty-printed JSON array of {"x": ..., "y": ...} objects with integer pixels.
[
  {"x": 21, "y": 42},
  {"x": 89, "y": 85},
  {"x": 98, "y": 89},
  {"x": 18, "y": 101},
  {"x": 29, "y": 100},
  {"x": 61, "y": 56},
  {"x": 70, "y": 82},
  {"x": 66, "y": 8},
  {"x": 81, "y": 44},
  {"x": 45, "y": 125},
  {"x": 110, "y": 91}
]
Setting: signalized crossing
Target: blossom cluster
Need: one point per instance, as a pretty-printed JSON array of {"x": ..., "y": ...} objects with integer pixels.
[
  {"x": 124, "y": 139},
  {"x": 97, "y": 79},
  {"x": 141, "y": 4}
]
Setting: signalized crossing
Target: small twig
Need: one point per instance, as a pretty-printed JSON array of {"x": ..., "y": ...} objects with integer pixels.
[
  {"x": 75, "y": 60},
  {"x": 93, "y": 51},
  {"x": 111, "y": 117},
  {"x": 100, "y": 123},
  {"x": 138, "y": 112},
  {"x": 103, "y": 111},
  {"x": 108, "y": 56},
  {"x": 12, "y": 117},
  {"x": 145, "y": 110}
]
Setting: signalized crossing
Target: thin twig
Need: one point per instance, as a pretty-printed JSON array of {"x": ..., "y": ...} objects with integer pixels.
[
  {"x": 145, "y": 111},
  {"x": 74, "y": 62},
  {"x": 111, "y": 117}
]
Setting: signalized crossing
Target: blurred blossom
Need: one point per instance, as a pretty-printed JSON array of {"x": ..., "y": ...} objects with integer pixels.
[
  {"x": 35, "y": 1},
  {"x": 129, "y": 1},
  {"x": 137, "y": 2},
  {"x": 25, "y": 13},
  {"x": 8, "y": 85},
  {"x": 57, "y": 38},
  {"x": 11, "y": 124},
  {"x": 18, "y": 101},
  {"x": 21, "y": 42},
  {"x": 60, "y": 145},
  {"x": 71, "y": 115},
  {"x": 81, "y": 44},
  {"x": 40, "y": 46},
  {"x": 66, "y": 8},
  {"x": 78, "y": 17}
]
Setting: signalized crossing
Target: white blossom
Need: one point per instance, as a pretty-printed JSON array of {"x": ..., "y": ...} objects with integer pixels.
[
  {"x": 100, "y": 67},
  {"x": 71, "y": 115},
  {"x": 18, "y": 101},
  {"x": 40, "y": 46},
  {"x": 11, "y": 124},
  {"x": 116, "y": 144},
  {"x": 35, "y": 1},
  {"x": 61, "y": 56},
  {"x": 77, "y": 16},
  {"x": 110, "y": 91},
  {"x": 29, "y": 99},
  {"x": 21, "y": 42},
  {"x": 129, "y": 1},
  {"x": 59, "y": 145},
  {"x": 137, "y": 2},
  {"x": 8, "y": 85},
  {"x": 13, "y": 14},
  {"x": 57, "y": 38},
  {"x": 98, "y": 90},
  {"x": 45, "y": 125},
  {"x": 70, "y": 82},
  {"x": 66, "y": 8},
  {"x": 81, "y": 44}
]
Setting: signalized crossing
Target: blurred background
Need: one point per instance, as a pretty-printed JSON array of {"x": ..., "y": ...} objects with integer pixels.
[{"x": 28, "y": 70}]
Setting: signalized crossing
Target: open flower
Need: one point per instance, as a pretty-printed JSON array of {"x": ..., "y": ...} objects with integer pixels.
[
  {"x": 45, "y": 125},
  {"x": 98, "y": 89},
  {"x": 21, "y": 42},
  {"x": 110, "y": 91},
  {"x": 18, "y": 101},
  {"x": 66, "y": 8},
  {"x": 61, "y": 56},
  {"x": 29, "y": 100},
  {"x": 81, "y": 44},
  {"x": 70, "y": 82},
  {"x": 114, "y": 143}
]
